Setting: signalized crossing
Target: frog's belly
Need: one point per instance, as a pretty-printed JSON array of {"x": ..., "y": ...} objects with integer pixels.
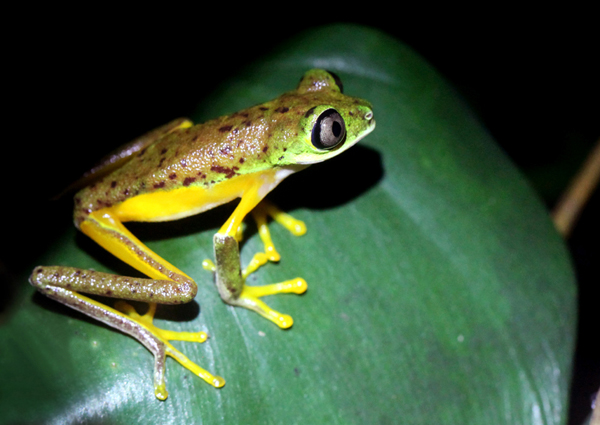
[
  {"x": 165, "y": 205},
  {"x": 169, "y": 205}
]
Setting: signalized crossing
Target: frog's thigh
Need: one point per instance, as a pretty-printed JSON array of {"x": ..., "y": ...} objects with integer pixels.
[{"x": 107, "y": 230}]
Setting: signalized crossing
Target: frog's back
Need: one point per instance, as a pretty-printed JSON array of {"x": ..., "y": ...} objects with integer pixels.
[{"x": 201, "y": 156}]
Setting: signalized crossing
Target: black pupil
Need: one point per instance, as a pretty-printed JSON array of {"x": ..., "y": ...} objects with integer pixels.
[
  {"x": 329, "y": 130},
  {"x": 336, "y": 129}
]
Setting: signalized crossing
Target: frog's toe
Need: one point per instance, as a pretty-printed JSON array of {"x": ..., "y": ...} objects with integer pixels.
[
  {"x": 161, "y": 349},
  {"x": 250, "y": 299},
  {"x": 285, "y": 321},
  {"x": 292, "y": 286}
]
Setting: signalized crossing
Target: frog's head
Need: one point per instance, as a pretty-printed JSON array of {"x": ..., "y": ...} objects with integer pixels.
[{"x": 329, "y": 121}]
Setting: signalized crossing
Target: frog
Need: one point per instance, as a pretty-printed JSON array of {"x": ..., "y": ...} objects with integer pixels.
[{"x": 181, "y": 169}]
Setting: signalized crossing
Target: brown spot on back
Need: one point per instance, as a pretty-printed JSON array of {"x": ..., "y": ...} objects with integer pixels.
[
  {"x": 189, "y": 180},
  {"x": 282, "y": 109},
  {"x": 172, "y": 176},
  {"x": 225, "y": 128},
  {"x": 159, "y": 185},
  {"x": 229, "y": 172}
]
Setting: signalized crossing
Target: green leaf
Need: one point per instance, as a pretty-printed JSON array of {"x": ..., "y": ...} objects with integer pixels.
[{"x": 439, "y": 291}]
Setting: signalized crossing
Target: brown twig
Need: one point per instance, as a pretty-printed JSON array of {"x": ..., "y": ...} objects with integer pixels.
[{"x": 574, "y": 198}]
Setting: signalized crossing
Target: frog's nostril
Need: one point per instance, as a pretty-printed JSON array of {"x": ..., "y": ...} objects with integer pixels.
[{"x": 369, "y": 115}]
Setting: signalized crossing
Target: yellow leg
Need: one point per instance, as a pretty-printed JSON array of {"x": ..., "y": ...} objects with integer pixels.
[
  {"x": 230, "y": 279},
  {"x": 165, "y": 336},
  {"x": 260, "y": 213},
  {"x": 148, "y": 321}
]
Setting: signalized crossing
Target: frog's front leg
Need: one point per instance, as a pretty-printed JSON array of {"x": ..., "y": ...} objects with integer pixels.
[
  {"x": 230, "y": 279},
  {"x": 234, "y": 291}
]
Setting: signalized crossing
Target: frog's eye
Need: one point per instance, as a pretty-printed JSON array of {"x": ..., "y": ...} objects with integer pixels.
[{"x": 329, "y": 130}]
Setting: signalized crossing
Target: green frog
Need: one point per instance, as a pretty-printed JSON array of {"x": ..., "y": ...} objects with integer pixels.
[{"x": 181, "y": 169}]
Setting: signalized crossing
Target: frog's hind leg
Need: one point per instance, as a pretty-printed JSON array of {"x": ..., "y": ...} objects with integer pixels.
[
  {"x": 167, "y": 285},
  {"x": 58, "y": 283}
]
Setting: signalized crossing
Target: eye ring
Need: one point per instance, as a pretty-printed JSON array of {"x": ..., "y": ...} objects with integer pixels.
[{"x": 329, "y": 130}]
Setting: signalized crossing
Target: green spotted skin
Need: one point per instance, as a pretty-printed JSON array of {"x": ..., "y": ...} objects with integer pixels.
[
  {"x": 49, "y": 279},
  {"x": 267, "y": 136}
]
